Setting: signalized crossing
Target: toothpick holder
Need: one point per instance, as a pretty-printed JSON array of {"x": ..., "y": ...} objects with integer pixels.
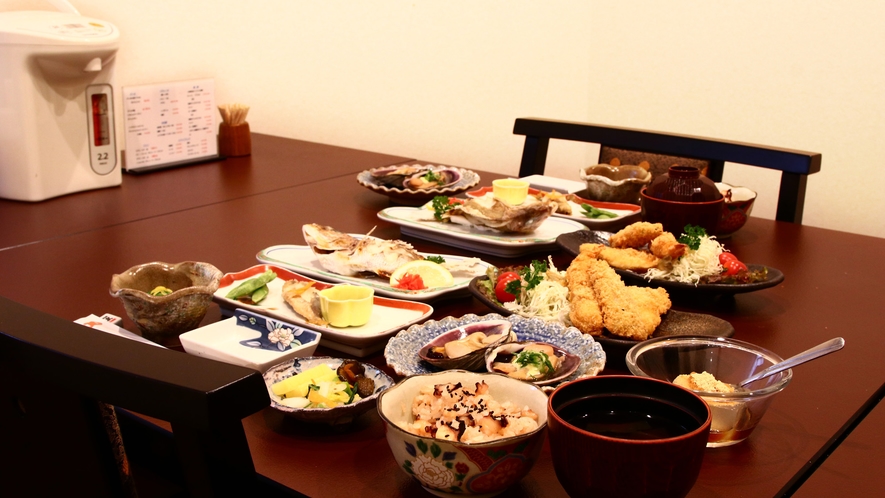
[{"x": 234, "y": 141}]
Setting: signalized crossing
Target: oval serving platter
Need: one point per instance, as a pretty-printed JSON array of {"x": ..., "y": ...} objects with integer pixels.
[
  {"x": 571, "y": 242},
  {"x": 672, "y": 323},
  {"x": 401, "y": 352}
]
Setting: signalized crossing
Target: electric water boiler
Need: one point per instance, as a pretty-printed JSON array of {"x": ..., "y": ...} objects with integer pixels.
[{"x": 56, "y": 104}]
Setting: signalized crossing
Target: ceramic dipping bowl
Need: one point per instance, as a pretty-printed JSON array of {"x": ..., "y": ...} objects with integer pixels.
[
  {"x": 158, "y": 317},
  {"x": 615, "y": 183},
  {"x": 510, "y": 190},
  {"x": 347, "y": 305}
]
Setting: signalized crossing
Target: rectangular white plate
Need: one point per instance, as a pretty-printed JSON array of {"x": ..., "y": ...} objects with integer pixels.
[
  {"x": 221, "y": 341},
  {"x": 412, "y": 221},
  {"x": 302, "y": 260},
  {"x": 626, "y": 213},
  {"x": 388, "y": 315}
]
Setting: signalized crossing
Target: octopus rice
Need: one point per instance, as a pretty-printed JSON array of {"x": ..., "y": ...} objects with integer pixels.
[{"x": 457, "y": 413}]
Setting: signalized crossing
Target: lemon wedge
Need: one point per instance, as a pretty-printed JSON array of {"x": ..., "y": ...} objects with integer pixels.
[{"x": 432, "y": 274}]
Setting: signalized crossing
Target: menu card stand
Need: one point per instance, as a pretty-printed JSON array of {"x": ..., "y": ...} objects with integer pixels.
[{"x": 169, "y": 124}]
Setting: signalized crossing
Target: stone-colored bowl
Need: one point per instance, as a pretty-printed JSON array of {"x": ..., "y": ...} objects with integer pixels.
[
  {"x": 615, "y": 183},
  {"x": 192, "y": 283}
]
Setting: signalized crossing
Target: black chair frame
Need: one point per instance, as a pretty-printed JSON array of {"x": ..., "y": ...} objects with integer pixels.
[
  {"x": 795, "y": 165},
  {"x": 72, "y": 368}
]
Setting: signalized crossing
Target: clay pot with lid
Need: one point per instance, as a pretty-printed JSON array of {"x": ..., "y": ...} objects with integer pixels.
[{"x": 681, "y": 197}]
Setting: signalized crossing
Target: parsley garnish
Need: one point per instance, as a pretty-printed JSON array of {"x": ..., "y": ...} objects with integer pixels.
[
  {"x": 431, "y": 177},
  {"x": 692, "y": 236},
  {"x": 440, "y": 205},
  {"x": 436, "y": 259},
  {"x": 531, "y": 275}
]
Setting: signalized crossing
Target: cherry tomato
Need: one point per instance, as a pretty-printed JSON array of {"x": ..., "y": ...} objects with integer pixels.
[
  {"x": 731, "y": 264},
  {"x": 500, "y": 287}
]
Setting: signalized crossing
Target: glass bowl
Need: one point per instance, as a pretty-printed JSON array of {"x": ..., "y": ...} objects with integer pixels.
[{"x": 735, "y": 414}]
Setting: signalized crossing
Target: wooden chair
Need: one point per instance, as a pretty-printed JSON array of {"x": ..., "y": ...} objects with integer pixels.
[
  {"x": 61, "y": 378},
  {"x": 795, "y": 165}
]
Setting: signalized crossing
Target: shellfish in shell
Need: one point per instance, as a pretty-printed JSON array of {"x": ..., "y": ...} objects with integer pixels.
[
  {"x": 433, "y": 178},
  {"x": 416, "y": 177},
  {"x": 490, "y": 212},
  {"x": 465, "y": 347},
  {"x": 537, "y": 362}
]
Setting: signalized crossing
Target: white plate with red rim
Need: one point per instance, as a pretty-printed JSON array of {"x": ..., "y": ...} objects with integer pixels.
[
  {"x": 388, "y": 315},
  {"x": 626, "y": 213},
  {"x": 302, "y": 260}
]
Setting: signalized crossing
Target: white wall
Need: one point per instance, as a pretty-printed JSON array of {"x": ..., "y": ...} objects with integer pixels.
[{"x": 444, "y": 80}]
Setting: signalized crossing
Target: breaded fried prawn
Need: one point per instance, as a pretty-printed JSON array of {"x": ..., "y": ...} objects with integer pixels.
[
  {"x": 584, "y": 311},
  {"x": 636, "y": 235},
  {"x": 628, "y": 258},
  {"x": 633, "y": 312},
  {"x": 666, "y": 246}
]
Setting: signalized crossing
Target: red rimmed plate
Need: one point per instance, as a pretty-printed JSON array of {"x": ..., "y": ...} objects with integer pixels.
[
  {"x": 627, "y": 213},
  {"x": 389, "y": 316}
]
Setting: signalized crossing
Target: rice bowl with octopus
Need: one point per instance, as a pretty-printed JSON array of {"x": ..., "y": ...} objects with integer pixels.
[{"x": 484, "y": 467}]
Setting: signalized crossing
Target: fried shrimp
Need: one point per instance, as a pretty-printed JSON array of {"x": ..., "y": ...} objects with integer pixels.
[
  {"x": 636, "y": 235},
  {"x": 624, "y": 259},
  {"x": 666, "y": 246},
  {"x": 584, "y": 311},
  {"x": 598, "y": 299},
  {"x": 633, "y": 312}
]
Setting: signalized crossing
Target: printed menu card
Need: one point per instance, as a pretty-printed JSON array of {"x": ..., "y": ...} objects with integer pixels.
[{"x": 169, "y": 124}]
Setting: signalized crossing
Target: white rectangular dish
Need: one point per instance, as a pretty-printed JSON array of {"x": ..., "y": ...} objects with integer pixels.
[
  {"x": 388, "y": 315},
  {"x": 413, "y": 221},
  {"x": 250, "y": 340}
]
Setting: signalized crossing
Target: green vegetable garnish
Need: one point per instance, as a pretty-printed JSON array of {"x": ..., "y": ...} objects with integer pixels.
[
  {"x": 592, "y": 212},
  {"x": 249, "y": 286},
  {"x": 260, "y": 294},
  {"x": 536, "y": 358},
  {"x": 531, "y": 275},
  {"x": 431, "y": 176},
  {"x": 692, "y": 236},
  {"x": 440, "y": 205},
  {"x": 160, "y": 291},
  {"x": 436, "y": 259},
  {"x": 351, "y": 393}
]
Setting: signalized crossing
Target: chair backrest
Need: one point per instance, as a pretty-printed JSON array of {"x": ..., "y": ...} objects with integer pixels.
[
  {"x": 58, "y": 374},
  {"x": 795, "y": 165}
]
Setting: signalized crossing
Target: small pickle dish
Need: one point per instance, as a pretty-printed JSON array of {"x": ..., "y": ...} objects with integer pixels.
[{"x": 325, "y": 390}]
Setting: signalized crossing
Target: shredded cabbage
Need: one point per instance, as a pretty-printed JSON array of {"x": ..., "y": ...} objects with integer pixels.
[
  {"x": 693, "y": 265},
  {"x": 548, "y": 300}
]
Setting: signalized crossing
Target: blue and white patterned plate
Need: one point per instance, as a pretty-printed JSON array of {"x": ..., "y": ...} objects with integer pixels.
[
  {"x": 401, "y": 352},
  {"x": 340, "y": 415}
]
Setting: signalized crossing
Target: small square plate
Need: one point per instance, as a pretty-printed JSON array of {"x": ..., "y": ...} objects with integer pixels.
[{"x": 250, "y": 340}]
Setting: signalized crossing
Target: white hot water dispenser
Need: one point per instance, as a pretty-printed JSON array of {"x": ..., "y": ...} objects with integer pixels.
[{"x": 56, "y": 104}]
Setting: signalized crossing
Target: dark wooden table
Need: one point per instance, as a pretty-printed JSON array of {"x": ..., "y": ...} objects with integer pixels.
[{"x": 58, "y": 256}]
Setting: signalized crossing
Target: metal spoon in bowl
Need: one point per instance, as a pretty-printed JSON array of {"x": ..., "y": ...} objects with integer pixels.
[{"x": 815, "y": 352}]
